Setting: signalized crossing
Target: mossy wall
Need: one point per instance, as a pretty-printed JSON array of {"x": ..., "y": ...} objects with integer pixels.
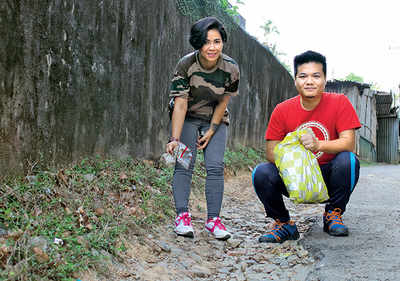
[{"x": 85, "y": 78}]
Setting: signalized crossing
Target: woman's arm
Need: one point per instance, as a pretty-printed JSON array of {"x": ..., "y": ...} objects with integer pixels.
[
  {"x": 215, "y": 121},
  {"x": 178, "y": 118}
]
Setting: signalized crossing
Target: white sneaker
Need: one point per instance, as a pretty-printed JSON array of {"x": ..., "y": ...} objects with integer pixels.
[
  {"x": 183, "y": 225},
  {"x": 216, "y": 228}
]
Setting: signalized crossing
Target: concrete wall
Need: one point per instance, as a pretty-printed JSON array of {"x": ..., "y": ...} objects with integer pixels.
[{"x": 80, "y": 78}]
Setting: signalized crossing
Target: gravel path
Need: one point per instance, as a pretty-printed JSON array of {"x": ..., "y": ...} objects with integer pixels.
[
  {"x": 371, "y": 252},
  {"x": 169, "y": 257}
]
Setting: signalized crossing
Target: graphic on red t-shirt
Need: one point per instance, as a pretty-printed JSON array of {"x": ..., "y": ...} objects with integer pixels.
[{"x": 319, "y": 131}]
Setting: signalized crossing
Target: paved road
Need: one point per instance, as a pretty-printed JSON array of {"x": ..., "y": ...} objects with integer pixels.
[{"x": 372, "y": 251}]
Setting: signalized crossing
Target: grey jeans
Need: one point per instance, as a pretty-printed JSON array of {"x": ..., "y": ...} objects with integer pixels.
[{"x": 214, "y": 163}]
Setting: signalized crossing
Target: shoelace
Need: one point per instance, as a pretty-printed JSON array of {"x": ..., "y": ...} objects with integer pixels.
[
  {"x": 275, "y": 228},
  {"x": 218, "y": 223},
  {"x": 185, "y": 218},
  {"x": 335, "y": 216}
]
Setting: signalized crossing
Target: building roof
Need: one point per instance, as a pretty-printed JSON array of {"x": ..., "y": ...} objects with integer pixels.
[{"x": 339, "y": 85}]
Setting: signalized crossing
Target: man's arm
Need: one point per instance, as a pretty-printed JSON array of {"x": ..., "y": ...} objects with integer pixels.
[
  {"x": 345, "y": 142},
  {"x": 270, "y": 150}
]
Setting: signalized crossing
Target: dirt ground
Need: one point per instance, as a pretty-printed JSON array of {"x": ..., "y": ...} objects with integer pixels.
[{"x": 163, "y": 255}]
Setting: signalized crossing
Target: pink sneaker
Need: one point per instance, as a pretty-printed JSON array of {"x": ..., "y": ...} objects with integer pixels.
[
  {"x": 183, "y": 225},
  {"x": 216, "y": 228}
]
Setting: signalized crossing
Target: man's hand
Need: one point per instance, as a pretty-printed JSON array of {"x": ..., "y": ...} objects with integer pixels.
[{"x": 310, "y": 142}]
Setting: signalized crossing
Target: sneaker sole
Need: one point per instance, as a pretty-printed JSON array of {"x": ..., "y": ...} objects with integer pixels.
[
  {"x": 189, "y": 234},
  {"x": 326, "y": 229},
  {"x": 293, "y": 237},
  {"x": 222, "y": 238}
]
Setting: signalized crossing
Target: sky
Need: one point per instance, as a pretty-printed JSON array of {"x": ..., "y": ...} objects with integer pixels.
[{"x": 360, "y": 37}]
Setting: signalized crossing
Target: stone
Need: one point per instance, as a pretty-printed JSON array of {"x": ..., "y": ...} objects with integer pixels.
[
  {"x": 233, "y": 243},
  {"x": 199, "y": 271},
  {"x": 164, "y": 246},
  {"x": 89, "y": 177}
]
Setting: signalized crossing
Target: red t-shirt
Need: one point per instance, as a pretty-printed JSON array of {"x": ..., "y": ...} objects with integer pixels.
[{"x": 333, "y": 115}]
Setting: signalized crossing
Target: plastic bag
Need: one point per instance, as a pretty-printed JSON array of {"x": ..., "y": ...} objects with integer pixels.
[
  {"x": 182, "y": 154},
  {"x": 299, "y": 169}
]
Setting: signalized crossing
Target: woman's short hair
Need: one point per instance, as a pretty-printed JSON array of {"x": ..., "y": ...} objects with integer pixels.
[{"x": 198, "y": 32}]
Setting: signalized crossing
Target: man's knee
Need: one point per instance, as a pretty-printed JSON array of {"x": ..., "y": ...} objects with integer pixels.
[
  {"x": 347, "y": 167},
  {"x": 347, "y": 161},
  {"x": 264, "y": 173}
]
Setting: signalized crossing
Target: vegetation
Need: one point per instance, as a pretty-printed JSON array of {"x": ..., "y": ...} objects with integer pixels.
[
  {"x": 366, "y": 163},
  {"x": 222, "y": 9},
  {"x": 270, "y": 31},
  {"x": 355, "y": 78},
  {"x": 56, "y": 224}
]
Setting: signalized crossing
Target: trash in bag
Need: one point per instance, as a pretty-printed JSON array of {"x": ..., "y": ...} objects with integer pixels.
[
  {"x": 182, "y": 154},
  {"x": 299, "y": 169}
]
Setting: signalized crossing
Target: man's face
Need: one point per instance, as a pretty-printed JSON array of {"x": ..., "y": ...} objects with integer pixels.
[{"x": 310, "y": 80}]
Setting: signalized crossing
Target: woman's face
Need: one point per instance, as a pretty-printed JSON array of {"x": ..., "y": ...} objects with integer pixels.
[{"x": 212, "y": 49}]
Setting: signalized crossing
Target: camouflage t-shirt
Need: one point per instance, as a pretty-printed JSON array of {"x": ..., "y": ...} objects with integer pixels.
[{"x": 205, "y": 88}]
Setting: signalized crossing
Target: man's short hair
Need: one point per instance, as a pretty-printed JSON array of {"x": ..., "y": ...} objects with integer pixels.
[
  {"x": 198, "y": 32},
  {"x": 309, "y": 56}
]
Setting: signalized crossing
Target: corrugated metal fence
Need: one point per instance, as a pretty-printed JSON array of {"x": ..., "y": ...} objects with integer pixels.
[
  {"x": 388, "y": 129},
  {"x": 388, "y": 139},
  {"x": 363, "y": 100}
]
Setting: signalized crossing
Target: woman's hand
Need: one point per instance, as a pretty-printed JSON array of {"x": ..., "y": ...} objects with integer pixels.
[
  {"x": 203, "y": 141},
  {"x": 170, "y": 147},
  {"x": 219, "y": 112}
]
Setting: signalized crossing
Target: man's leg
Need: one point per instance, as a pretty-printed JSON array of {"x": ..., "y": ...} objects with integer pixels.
[
  {"x": 341, "y": 176},
  {"x": 269, "y": 188}
]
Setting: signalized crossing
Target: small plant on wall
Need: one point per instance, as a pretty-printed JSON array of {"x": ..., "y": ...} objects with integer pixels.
[{"x": 222, "y": 9}]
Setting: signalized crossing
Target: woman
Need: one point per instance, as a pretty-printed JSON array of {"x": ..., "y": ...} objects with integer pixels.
[{"x": 201, "y": 88}]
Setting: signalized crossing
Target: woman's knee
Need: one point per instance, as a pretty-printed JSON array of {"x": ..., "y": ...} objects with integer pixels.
[{"x": 215, "y": 169}]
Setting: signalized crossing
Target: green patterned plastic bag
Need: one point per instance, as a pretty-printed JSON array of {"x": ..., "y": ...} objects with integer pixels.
[{"x": 299, "y": 170}]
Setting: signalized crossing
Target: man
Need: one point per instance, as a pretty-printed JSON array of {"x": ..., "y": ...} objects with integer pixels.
[{"x": 333, "y": 121}]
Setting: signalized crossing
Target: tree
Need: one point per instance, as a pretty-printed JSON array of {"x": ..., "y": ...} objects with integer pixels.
[
  {"x": 270, "y": 30},
  {"x": 354, "y": 78}
]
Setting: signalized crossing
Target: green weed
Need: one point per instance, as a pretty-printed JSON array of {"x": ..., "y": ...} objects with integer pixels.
[{"x": 56, "y": 223}]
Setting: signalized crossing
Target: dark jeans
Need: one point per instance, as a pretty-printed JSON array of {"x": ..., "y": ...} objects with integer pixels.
[{"x": 340, "y": 176}]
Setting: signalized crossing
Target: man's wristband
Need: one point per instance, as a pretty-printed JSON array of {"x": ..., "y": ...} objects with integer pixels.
[{"x": 171, "y": 139}]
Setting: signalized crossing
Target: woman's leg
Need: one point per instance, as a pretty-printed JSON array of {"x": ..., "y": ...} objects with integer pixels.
[
  {"x": 214, "y": 162},
  {"x": 182, "y": 177}
]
